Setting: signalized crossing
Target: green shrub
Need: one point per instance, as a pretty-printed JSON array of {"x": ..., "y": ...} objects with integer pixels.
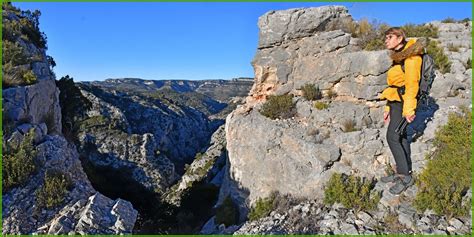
[
  {"x": 11, "y": 76},
  {"x": 465, "y": 20},
  {"x": 442, "y": 62},
  {"x": 375, "y": 44},
  {"x": 262, "y": 208},
  {"x": 311, "y": 92},
  {"x": 370, "y": 34},
  {"x": 447, "y": 175},
  {"x": 26, "y": 28},
  {"x": 352, "y": 192},
  {"x": 449, "y": 20},
  {"x": 427, "y": 31},
  {"x": 227, "y": 213},
  {"x": 74, "y": 106},
  {"x": 29, "y": 77},
  {"x": 349, "y": 126},
  {"x": 392, "y": 224},
  {"x": 54, "y": 189},
  {"x": 321, "y": 105},
  {"x": 94, "y": 121},
  {"x": 278, "y": 106},
  {"x": 13, "y": 53},
  {"x": 18, "y": 162}
]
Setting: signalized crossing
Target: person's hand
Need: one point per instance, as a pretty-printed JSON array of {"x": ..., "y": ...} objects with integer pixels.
[
  {"x": 386, "y": 117},
  {"x": 410, "y": 118}
]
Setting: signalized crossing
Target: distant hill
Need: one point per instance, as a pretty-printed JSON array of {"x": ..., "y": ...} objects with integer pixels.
[{"x": 220, "y": 90}]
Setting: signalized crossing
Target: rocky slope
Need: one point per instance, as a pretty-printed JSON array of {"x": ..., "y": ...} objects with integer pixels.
[
  {"x": 36, "y": 108},
  {"x": 206, "y": 168},
  {"x": 297, "y": 156},
  {"x": 163, "y": 123}
]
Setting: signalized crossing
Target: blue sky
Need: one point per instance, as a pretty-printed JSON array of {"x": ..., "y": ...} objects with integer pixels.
[{"x": 96, "y": 41}]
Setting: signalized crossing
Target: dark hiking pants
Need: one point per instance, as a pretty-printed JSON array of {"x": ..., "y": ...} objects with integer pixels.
[{"x": 398, "y": 144}]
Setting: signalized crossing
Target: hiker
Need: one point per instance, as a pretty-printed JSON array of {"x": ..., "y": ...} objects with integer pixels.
[{"x": 401, "y": 95}]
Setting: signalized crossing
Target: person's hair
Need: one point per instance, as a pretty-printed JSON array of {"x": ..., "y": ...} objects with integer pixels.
[{"x": 396, "y": 31}]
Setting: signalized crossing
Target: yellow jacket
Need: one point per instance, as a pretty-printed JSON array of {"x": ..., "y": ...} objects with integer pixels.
[{"x": 411, "y": 55}]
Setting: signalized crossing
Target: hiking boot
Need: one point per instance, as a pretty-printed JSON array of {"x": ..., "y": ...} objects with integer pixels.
[
  {"x": 389, "y": 178},
  {"x": 401, "y": 184}
]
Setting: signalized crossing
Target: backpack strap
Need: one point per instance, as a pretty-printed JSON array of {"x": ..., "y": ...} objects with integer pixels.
[{"x": 400, "y": 91}]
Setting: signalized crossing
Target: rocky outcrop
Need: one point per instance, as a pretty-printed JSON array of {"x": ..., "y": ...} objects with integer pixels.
[
  {"x": 154, "y": 128},
  {"x": 97, "y": 215},
  {"x": 312, "y": 217},
  {"x": 298, "y": 155},
  {"x": 300, "y": 46},
  {"x": 179, "y": 131},
  {"x": 109, "y": 143},
  {"x": 34, "y": 104},
  {"x": 207, "y": 168},
  {"x": 21, "y": 212},
  {"x": 36, "y": 108}
]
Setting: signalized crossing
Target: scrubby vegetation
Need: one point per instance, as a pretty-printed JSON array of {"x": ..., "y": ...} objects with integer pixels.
[
  {"x": 54, "y": 189},
  {"x": 19, "y": 163},
  {"x": 320, "y": 105},
  {"x": 227, "y": 213},
  {"x": 94, "y": 121},
  {"x": 426, "y": 31},
  {"x": 278, "y": 106},
  {"x": 19, "y": 29},
  {"x": 448, "y": 20},
  {"x": 447, "y": 175},
  {"x": 311, "y": 92},
  {"x": 352, "y": 192},
  {"x": 349, "y": 126},
  {"x": 371, "y": 34},
  {"x": 442, "y": 62},
  {"x": 262, "y": 208},
  {"x": 453, "y": 48},
  {"x": 452, "y": 20},
  {"x": 200, "y": 171},
  {"x": 191, "y": 99},
  {"x": 73, "y": 106}
]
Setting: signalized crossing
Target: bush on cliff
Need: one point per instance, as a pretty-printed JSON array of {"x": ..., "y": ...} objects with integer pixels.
[
  {"x": 427, "y": 31},
  {"x": 320, "y": 105},
  {"x": 352, "y": 192},
  {"x": 447, "y": 175},
  {"x": 73, "y": 106},
  {"x": 449, "y": 20},
  {"x": 54, "y": 189},
  {"x": 442, "y": 62},
  {"x": 311, "y": 92},
  {"x": 18, "y": 163},
  {"x": 227, "y": 213},
  {"x": 369, "y": 34},
  {"x": 20, "y": 30},
  {"x": 278, "y": 106},
  {"x": 262, "y": 208},
  {"x": 27, "y": 27}
]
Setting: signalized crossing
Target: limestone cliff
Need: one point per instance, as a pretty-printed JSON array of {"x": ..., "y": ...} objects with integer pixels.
[
  {"x": 35, "y": 109},
  {"x": 297, "y": 156}
]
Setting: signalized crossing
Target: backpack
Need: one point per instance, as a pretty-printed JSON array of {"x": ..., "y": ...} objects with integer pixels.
[{"x": 427, "y": 77}]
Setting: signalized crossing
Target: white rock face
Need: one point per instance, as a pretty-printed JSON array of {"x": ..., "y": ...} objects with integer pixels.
[
  {"x": 99, "y": 215},
  {"x": 298, "y": 155},
  {"x": 36, "y": 107}
]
